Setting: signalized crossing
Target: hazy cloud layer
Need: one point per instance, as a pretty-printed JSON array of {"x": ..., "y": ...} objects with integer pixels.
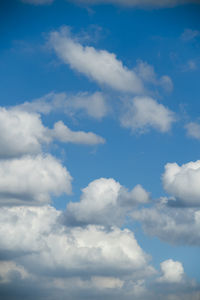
[{"x": 92, "y": 105}]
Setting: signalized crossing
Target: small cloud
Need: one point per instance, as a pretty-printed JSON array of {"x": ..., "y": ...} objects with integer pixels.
[
  {"x": 193, "y": 130},
  {"x": 189, "y": 35},
  {"x": 143, "y": 113},
  {"x": 172, "y": 271}
]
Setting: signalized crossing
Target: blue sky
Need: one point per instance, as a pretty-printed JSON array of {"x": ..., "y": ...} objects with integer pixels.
[{"x": 99, "y": 159}]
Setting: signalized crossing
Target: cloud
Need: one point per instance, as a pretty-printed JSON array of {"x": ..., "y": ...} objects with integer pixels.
[
  {"x": 143, "y": 113},
  {"x": 93, "y": 105},
  {"x": 174, "y": 225},
  {"x": 52, "y": 260},
  {"x": 62, "y": 133},
  {"x": 182, "y": 182},
  {"x": 172, "y": 271},
  {"x": 108, "y": 260},
  {"x": 104, "y": 202},
  {"x": 193, "y": 130},
  {"x": 99, "y": 65},
  {"x": 31, "y": 180},
  {"x": 147, "y": 74},
  {"x": 189, "y": 35},
  {"x": 23, "y": 133}
]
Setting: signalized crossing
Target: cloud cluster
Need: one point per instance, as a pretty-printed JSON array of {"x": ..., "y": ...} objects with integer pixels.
[{"x": 103, "y": 261}]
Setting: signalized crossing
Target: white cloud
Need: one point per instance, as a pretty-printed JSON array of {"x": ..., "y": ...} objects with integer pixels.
[
  {"x": 193, "y": 130},
  {"x": 20, "y": 133},
  {"x": 174, "y": 225},
  {"x": 105, "y": 202},
  {"x": 31, "y": 180},
  {"x": 189, "y": 35},
  {"x": 51, "y": 248},
  {"x": 182, "y": 182},
  {"x": 62, "y": 133},
  {"x": 147, "y": 73},
  {"x": 51, "y": 260},
  {"x": 99, "y": 65},
  {"x": 143, "y": 113},
  {"x": 23, "y": 133},
  {"x": 173, "y": 271},
  {"x": 93, "y": 105}
]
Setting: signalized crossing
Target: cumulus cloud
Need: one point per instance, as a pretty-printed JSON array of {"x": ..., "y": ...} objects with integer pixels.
[
  {"x": 143, "y": 113},
  {"x": 99, "y": 65},
  {"x": 174, "y": 225},
  {"x": 93, "y": 105},
  {"x": 23, "y": 133},
  {"x": 49, "y": 249},
  {"x": 31, "y": 180},
  {"x": 51, "y": 260},
  {"x": 105, "y": 202},
  {"x": 172, "y": 271},
  {"x": 182, "y": 182}
]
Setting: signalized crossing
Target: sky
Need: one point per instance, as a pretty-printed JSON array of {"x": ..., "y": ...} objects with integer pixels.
[{"x": 99, "y": 149}]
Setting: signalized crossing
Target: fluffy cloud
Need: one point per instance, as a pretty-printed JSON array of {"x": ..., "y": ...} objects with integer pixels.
[
  {"x": 172, "y": 271},
  {"x": 94, "y": 105},
  {"x": 49, "y": 249},
  {"x": 182, "y": 182},
  {"x": 143, "y": 113},
  {"x": 20, "y": 133},
  {"x": 31, "y": 180},
  {"x": 62, "y": 133},
  {"x": 177, "y": 226},
  {"x": 23, "y": 133},
  {"x": 51, "y": 260},
  {"x": 99, "y": 65},
  {"x": 105, "y": 202}
]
